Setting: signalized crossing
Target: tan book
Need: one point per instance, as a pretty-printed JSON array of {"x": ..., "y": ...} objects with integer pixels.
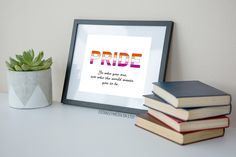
[
  {"x": 154, "y": 125},
  {"x": 155, "y": 102}
]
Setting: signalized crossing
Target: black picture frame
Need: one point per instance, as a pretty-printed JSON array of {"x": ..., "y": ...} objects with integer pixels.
[{"x": 163, "y": 67}]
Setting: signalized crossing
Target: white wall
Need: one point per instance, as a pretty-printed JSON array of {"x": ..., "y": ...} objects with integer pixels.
[{"x": 203, "y": 46}]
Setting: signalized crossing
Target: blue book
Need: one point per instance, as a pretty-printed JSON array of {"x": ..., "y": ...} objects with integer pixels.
[
  {"x": 182, "y": 94},
  {"x": 154, "y": 102}
]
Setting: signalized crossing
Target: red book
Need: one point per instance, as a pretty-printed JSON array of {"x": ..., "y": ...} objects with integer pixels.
[{"x": 194, "y": 125}]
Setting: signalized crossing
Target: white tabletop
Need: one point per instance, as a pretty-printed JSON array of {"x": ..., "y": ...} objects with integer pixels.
[{"x": 70, "y": 131}]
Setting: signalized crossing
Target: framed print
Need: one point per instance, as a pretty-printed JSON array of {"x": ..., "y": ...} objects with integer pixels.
[{"x": 112, "y": 64}]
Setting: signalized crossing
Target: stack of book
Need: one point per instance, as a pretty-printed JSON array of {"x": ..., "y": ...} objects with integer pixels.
[{"x": 186, "y": 111}]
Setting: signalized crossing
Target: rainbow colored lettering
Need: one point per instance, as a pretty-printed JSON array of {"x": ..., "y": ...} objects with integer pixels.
[{"x": 123, "y": 58}]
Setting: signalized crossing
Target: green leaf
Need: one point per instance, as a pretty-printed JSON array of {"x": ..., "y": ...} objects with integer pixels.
[
  {"x": 42, "y": 62},
  {"x": 25, "y": 67},
  {"x": 13, "y": 62},
  {"x": 29, "y": 55},
  {"x": 38, "y": 60},
  {"x": 18, "y": 68},
  {"x": 20, "y": 59},
  {"x": 36, "y": 68},
  {"x": 32, "y": 53},
  {"x": 47, "y": 63},
  {"x": 27, "y": 58},
  {"x": 9, "y": 66}
]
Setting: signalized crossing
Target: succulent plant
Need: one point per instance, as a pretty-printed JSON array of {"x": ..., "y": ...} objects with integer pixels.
[{"x": 29, "y": 62}]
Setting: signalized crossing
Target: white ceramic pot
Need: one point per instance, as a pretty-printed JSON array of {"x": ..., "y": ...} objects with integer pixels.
[{"x": 31, "y": 89}]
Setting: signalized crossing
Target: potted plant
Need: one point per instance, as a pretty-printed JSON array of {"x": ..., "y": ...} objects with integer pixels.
[{"x": 29, "y": 80}]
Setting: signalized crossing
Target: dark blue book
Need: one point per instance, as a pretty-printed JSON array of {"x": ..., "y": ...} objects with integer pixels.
[
  {"x": 153, "y": 102},
  {"x": 190, "y": 94}
]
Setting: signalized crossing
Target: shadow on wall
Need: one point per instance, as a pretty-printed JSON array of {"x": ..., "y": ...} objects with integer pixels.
[
  {"x": 233, "y": 114},
  {"x": 174, "y": 68}
]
